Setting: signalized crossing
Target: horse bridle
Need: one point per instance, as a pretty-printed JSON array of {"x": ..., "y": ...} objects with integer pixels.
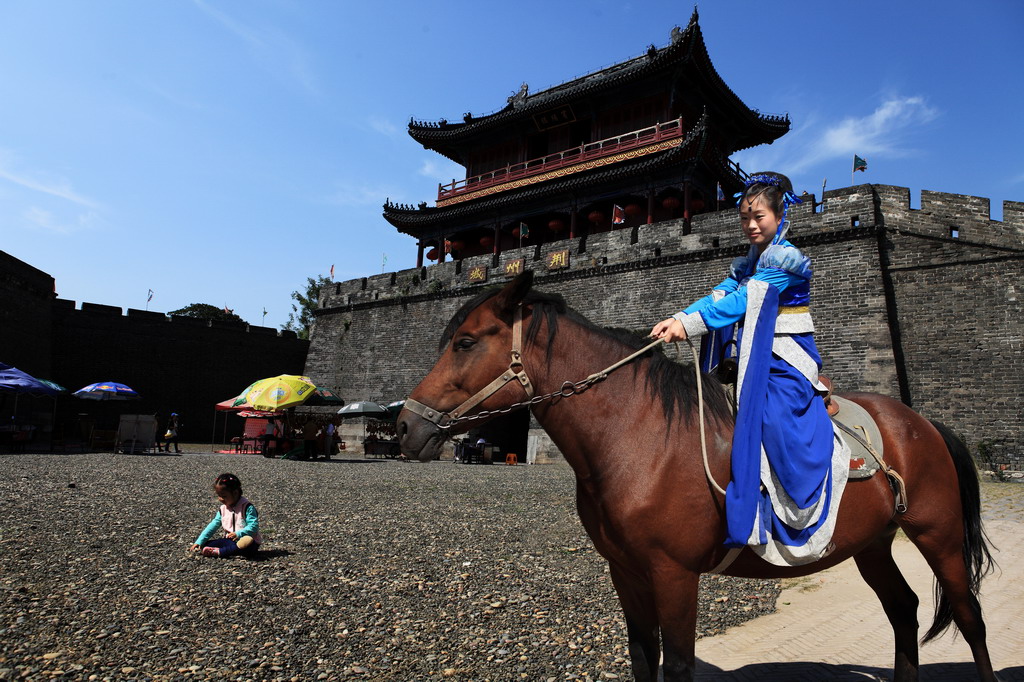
[
  {"x": 515, "y": 371},
  {"x": 445, "y": 420}
]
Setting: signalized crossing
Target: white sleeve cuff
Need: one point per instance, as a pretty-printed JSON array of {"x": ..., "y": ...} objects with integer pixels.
[{"x": 693, "y": 323}]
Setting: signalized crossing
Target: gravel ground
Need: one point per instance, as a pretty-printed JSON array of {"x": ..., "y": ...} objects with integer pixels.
[{"x": 370, "y": 570}]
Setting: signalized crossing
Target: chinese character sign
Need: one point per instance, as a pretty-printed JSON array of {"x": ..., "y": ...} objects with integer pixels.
[
  {"x": 554, "y": 117},
  {"x": 515, "y": 267},
  {"x": 557, "y": 260},
  {"x": 477, "y": 274}
]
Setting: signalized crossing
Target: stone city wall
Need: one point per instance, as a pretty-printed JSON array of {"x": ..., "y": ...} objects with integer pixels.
[
  {"x": 25, "y": 297},
  {"x": 885, "y": 270},
  {"x": 178, "y": 364}
]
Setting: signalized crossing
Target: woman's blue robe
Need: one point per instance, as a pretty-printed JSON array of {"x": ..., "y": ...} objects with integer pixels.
[{"x": 788, "y": 468}]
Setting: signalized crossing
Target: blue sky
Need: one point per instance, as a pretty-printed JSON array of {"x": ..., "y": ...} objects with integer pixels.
[{"x": 221, "y": 152}]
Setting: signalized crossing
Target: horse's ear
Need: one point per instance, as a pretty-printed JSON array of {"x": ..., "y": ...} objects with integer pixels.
[{"x": 506, "y": 300}]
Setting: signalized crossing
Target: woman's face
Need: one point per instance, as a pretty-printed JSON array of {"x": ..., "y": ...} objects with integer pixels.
[{"x": 759, "y": 221}]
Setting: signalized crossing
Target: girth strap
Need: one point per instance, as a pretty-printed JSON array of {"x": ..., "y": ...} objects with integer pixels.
[{"x": 899, "y": 487}]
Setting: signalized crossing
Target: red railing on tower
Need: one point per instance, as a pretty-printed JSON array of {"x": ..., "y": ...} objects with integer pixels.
[{"x": 586, "y": 152}]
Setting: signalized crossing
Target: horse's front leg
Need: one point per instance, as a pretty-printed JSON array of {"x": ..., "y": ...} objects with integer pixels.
[
  {"x": 638, "y": 607},
  {"x": 675, "y": 594},
  {"x": 632, "y": 585}
]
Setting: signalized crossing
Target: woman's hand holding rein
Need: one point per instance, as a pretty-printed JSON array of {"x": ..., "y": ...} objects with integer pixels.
[{"x": 669, "y": 329}]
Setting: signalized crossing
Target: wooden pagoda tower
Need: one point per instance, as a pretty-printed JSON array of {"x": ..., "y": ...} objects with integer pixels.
[{"x": 642, "y": 141}]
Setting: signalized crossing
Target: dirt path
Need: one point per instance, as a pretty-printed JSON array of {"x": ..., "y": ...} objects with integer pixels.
[{"x": 830, "y": 626}]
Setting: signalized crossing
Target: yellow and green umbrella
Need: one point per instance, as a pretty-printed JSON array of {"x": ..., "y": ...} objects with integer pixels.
[
  {"x": 324, "y": 397},
  {"x": 240, "y": 399},
  {"x": 280, "y": 392}
]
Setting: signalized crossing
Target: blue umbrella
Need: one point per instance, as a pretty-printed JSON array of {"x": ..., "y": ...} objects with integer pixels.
[
  {"x": 14, "y": 380},
  {"x": 107, "y": 390},
  {"x": 54, "y": 385}
]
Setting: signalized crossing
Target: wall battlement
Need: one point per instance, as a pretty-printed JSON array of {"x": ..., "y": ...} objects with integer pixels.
[
  {"x": 842, "y": 210},
  {"x": 66, "y": 307}
]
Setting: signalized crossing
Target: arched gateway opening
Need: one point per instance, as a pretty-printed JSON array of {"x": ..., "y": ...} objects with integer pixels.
[{"x": 504, "y": 434}]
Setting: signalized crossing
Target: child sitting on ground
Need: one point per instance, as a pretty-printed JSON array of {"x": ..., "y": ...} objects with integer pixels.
[{"x": 238, "y": 518}]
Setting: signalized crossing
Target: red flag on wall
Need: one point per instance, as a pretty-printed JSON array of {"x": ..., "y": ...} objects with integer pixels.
[
  {"x": 618, "y": 215},
  {"x": 332, "y": 272}
]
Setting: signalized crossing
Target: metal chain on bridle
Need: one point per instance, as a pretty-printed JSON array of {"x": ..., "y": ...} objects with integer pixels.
[
  {"x": 568, "y": 389},
  {"x": 446, "y": 420},
  {"x": 515, "y": 371}
]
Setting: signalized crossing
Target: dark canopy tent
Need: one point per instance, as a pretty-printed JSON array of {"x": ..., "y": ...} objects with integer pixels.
[{"x": 18, "y": 383}]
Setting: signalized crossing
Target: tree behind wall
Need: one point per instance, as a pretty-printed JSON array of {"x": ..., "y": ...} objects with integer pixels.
[
  {"x": 205, "y": 311},
  {"x": 300, "y": 320}
]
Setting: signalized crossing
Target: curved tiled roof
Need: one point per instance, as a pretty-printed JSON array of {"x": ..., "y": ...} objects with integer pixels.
[
  {"x": 413, "y": 220},
  {"x": 687, "y": 48}
]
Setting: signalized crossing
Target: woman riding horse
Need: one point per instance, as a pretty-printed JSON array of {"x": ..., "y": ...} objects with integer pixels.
[{"x": 781, "y": 424}]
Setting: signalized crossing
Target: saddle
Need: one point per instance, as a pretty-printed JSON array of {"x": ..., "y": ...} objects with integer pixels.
[
  {"x": 865, "y": 443},
  {"x": 854, "y": 420}
]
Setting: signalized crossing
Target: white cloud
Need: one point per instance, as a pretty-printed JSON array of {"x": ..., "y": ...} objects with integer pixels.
[
  {"x": 383, "y": 126},
  {"x": 359, "y": 195},
  {"x": 244, "y": 32},
  {"x": 442, "y": 171},
  {"x": 274, "y": 47},
  {"x": 42, "y": 219},
  {"x": 879, "y": 133},
  {"x": 54, "y": 187}
]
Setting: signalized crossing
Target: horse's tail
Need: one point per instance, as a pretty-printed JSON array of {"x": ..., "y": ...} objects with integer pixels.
[{"x": 977, "y": 556}]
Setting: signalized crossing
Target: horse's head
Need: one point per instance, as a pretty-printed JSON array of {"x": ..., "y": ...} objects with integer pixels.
[{"x": 478, "y": 348}]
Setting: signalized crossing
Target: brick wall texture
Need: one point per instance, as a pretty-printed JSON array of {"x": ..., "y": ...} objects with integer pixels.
[
  {"x": 920, "y": 304},
  {"x": 178, "y": 364},
  {"x": 25, "y": 297}
]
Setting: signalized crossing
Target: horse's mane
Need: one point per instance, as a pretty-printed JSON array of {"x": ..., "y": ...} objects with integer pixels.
[{"x": 670, "y": 381}]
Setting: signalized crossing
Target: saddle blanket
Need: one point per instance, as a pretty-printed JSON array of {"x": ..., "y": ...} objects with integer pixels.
[{"x": 855, "y": 418}]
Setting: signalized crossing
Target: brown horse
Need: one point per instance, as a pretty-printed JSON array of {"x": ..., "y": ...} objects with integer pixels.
[{"x": 642, "y": 494}]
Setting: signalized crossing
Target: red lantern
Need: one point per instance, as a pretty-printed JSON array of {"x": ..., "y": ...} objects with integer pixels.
[
  {"x": 670, "y": 203},
  {"x": 487, "y": 241},
  {"x": 432, "y": 253},
  {"x": 458, "y": 245},
  {"x": 596, "y": 217},
  {"x": 556, "y": 225},
  {"x": 515, "y": 231},
  {"x": 697, "y": 204},
  {"x": 633, "y": 209}
]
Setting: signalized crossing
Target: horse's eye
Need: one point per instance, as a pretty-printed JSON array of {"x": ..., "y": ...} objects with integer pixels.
[{"x": 464, "y": 344}]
